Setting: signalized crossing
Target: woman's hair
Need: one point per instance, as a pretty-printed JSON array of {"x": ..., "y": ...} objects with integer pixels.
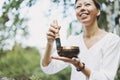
[{"x": 97, "y": 4}]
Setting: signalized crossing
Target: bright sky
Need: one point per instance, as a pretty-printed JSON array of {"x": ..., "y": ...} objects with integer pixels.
[{"x": 38, "y": 24}]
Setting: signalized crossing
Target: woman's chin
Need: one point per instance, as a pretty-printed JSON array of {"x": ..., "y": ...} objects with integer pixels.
[{"x": 85, "y": 22}]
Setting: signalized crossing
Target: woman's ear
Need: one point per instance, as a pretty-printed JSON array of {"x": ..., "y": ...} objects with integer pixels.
[{"x": 98, "y": 14}]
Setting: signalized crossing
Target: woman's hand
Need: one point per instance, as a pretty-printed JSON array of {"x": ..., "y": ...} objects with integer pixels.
[
  {"x": 75, "y": 61},
  {"x": 51, "y": 35},
  {"x": 53, "y": 31}
]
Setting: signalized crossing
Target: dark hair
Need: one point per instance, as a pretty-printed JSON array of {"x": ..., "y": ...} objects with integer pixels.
[{"x": 97, "y": 4}]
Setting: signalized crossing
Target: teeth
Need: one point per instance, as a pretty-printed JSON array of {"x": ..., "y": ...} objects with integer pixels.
[{"x": 83, "y": 14}]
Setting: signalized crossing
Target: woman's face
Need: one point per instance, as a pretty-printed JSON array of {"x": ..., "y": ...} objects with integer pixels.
[{"x": 86, "y": 11}]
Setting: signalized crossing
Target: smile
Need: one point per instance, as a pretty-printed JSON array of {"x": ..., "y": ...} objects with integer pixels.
[{"x": 83, "y": 14}]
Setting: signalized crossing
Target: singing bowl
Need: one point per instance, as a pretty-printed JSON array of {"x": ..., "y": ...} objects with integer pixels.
[{"x": 69, "y": 52}]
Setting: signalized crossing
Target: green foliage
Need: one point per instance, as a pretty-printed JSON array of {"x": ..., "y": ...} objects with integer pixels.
[
  {"x": 102, "y": 22},
  {"x": 62, "y": 75},
  {"x": 24, "y": 64},
  {"x": 19, "y": 63},
  {"x": 118, "y": 74},
  {"x": 55, "y": 1}
]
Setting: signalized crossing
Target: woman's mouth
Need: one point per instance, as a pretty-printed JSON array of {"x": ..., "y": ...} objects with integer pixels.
[{"x": 83, "y": 15}]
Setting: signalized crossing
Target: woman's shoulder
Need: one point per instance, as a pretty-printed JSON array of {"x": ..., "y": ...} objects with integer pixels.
[{"x": 112, "y": 38}]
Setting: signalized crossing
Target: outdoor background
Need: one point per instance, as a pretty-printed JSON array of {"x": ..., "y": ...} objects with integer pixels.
[{"x": 23, "y": 26}]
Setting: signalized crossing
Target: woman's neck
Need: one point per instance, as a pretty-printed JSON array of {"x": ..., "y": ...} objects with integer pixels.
[{"x": 90, "y": 31}]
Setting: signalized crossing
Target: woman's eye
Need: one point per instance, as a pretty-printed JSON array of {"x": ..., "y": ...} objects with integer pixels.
[
  {"x": 87, "y": 4},
  {"x": 78, "y": 7}
]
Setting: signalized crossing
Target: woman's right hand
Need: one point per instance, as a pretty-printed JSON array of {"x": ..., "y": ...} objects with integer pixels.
[{"x": 53, "y": 31}]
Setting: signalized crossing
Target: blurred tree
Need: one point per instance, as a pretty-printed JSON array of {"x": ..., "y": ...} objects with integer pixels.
[
  {"x": 19, "y": 63},
  {"x": 23, "y": 64},
  {"x": 13, "y": 21}
]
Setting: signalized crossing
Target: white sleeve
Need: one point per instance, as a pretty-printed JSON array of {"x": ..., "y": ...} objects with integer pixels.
[
  {"x": 55, "y": 65},
  {"x": 110, "y": 62}
]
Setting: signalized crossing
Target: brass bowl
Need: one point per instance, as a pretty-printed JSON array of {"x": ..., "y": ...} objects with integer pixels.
[{"x": 69, "y": 52}]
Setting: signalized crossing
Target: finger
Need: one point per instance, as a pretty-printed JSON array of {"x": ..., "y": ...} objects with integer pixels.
[
  {"x": 61, "y": 58},
  {"x": 52, "y": 29},
  {"x": 55, "y": 22},
  {"x": 50, "y": 34},
  {"x": 50, "y": 37},
  {"x": 55, "y": 26},
  {"x": 55, "y": 31},
  {"x": 59, "y": 27},
  {"x": 75, "y": 61}
]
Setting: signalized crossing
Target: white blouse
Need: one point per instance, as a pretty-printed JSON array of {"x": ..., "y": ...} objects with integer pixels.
[{"x": 102, "y": 58}]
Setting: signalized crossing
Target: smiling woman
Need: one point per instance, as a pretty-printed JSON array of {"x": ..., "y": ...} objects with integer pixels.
[
  {"x": 83, "y": 9},
  {"x": 99, "y": 50}
]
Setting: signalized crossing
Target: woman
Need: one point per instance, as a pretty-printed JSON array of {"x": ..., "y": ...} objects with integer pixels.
[{"x": 99, "y": 50}]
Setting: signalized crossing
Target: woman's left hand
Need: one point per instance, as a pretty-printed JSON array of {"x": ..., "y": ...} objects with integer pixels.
[{"x": 75, "y": 61}]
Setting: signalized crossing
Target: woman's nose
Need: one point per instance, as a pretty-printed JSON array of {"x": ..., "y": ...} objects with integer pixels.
[{"x": 83, "y": 8}]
